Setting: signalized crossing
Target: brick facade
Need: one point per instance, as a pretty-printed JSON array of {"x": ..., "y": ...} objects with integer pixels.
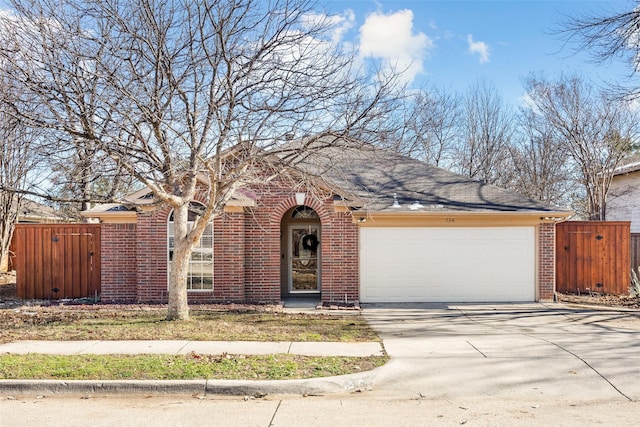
[
  {"x": 246, "y": 251},
  {"x": 248, "y": 254},
  {"x": 546, "y": 261},
  {"x": 118, "y": 258}
]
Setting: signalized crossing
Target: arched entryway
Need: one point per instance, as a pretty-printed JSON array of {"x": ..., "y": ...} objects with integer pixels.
[{"x": 300, "y": 253}]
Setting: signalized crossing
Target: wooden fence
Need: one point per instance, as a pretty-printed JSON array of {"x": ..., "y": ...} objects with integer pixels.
[
  {"x": 593, "y": 256},
  {"x": 56, "y": 261},
  {"x": 635, "y": 251}
]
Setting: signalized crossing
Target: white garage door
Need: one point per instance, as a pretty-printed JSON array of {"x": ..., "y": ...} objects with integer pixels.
[{"x": 490, "y": 264}]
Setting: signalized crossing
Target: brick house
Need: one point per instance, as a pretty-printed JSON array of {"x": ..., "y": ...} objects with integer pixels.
[{"x": 376, "y": 227}]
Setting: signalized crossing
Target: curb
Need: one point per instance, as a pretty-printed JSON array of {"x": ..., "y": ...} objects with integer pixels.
[
  {"x": 343, "y": 383},
  {"x": 101, "y": 387}
]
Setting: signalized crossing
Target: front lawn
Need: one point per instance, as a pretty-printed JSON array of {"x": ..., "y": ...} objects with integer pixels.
[
  {"x": 183, "y": 367},
  {"x": 139, "y": 322},
  {"x": 148, "y": 323}
]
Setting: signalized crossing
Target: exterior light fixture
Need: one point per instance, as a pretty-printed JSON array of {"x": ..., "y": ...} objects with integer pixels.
[
  {"x": 300, "y": 198},
  {"x": 395, "y": 204}
]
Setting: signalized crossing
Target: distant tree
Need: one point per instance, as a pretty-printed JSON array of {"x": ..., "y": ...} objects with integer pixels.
[
  {"x": 597, "y": 133},
  {"x": 433, "y": 125},
  {"x": 190, "y": 92},
  {"x": 542, "y": 170},
  {"x": 486, "y": 132}
]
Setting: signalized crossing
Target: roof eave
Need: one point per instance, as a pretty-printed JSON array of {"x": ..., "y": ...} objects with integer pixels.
[
  {"x": 453, "y": 218},
  {"x": 112, "y": 217}
]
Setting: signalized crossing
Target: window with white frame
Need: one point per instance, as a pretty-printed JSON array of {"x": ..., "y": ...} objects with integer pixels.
[{"x": 200, "y": 269}]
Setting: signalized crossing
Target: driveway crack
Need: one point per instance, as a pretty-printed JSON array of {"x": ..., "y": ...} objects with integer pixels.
[
  {"x": 585, "y": 362},
  {"x": 548, "y": 342},
  {"x": 476, "y": 349}
]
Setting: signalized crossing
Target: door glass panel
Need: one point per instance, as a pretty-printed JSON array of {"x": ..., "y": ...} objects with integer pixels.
[{"x": 304, "y": 258}]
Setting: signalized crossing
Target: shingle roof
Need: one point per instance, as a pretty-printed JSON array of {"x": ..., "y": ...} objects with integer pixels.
[
  {"x": 371, "y": 177},
  {"x": 631, "y": 164},
  {"x": 32, "y": 211}
]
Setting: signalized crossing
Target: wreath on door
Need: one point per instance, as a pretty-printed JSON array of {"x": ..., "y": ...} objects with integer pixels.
[{"x": 310, "y": 242}]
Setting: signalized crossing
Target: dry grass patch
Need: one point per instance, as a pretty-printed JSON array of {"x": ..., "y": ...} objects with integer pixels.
[{"x": 148, "y": 323}]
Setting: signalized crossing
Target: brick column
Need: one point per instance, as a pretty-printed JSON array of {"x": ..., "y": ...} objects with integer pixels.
[
  {"x": 546, "y": 261},
  {"x": 118, "y": 263}
]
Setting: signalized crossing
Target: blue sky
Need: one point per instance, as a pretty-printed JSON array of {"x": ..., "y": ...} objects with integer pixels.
[{"x": 452, "y": 43}]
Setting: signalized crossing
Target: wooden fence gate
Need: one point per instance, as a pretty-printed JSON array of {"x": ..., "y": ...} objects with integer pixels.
[
  {"x": 593, "y": 256},
  {"x": 56, "y": 261}
]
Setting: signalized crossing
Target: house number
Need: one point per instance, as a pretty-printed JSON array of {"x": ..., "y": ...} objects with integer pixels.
[{"x": 449, "y": 220}]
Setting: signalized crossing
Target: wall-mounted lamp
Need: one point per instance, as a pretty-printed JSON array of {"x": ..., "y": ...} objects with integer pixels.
[
  {"x": 362, "y": 219},
  {"x": 300, "y": 198},
  {"x": 395, "y": 201}
]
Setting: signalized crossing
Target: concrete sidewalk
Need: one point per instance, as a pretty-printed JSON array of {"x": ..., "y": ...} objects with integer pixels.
[
  {"x": 355, "y": 349},
  {"x": 358, "y": 381}
]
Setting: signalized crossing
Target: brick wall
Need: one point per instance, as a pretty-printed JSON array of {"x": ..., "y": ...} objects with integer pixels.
[
  {"x": 263, "y": 252},
  {"x": 340, "y": 259},
  {"x": 262, "y": 247},
  {"x": 151, "y": 256},
  {"x": 247, "y": 253},
  {"x": 118, "y": 258},
  {"x": 546, "y": 261},
  {"x": 228, "y": 258}
]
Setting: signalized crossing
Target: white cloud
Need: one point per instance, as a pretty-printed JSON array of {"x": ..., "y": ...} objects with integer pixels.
[
  {"x": 339, "y": 24},
  {"x": 391, "y": 38},
  {"x": 478, "y": 48}
]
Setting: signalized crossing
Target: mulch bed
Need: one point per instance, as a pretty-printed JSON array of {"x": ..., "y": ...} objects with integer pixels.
[{"x": 614, "y": 301}]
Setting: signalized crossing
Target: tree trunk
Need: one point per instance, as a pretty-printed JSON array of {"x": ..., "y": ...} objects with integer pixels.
[{"x": 178, "y": 308}]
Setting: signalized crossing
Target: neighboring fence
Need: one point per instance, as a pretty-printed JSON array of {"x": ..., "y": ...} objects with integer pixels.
[
  {"x": 55, "y": 261},
  {"x": 593, "y": 256},
  {"x": 635, "y": 251}
]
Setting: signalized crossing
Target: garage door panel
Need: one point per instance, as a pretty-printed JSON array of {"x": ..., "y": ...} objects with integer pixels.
[{"x": 447, "y": 264}]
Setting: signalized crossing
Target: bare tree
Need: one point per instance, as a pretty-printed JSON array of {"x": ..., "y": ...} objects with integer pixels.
[
  {"x": 487, "y": 128},
  {"x": 191, "y": 92},
  {"x": 18, "y": 159},
  {"x": 542, "y": 170},
  {"x": 596, "y": 132},
  {"x": 433, "y": 126},
  {"x": 609, "y": 34}
]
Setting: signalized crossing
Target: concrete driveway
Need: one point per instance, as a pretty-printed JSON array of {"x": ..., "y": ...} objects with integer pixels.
[{"x": 523, "y": 351}]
